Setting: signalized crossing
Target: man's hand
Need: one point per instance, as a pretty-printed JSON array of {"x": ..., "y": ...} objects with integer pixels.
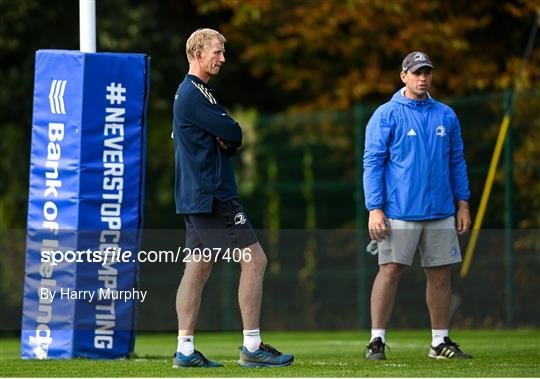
[
  {"x": 222, "y": 143},
  {"x": 463, "y": 217},
  {"x": 227, "y": 147},
  {"x": 378, "y": 225}
]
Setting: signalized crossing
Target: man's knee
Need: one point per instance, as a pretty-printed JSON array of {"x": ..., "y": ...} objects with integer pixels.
[
  {"x": 199, "y": 271},
  {"x": 391, "y": 271},
  {"x": 206, "y": 270},
  {"x": 254, "y": 257},
  {"x": 439, "y": 272},
  {"x": 439, "y": 275}
]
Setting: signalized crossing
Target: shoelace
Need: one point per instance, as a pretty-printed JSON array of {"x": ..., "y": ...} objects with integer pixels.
[
  {"x": 380, "y": 346},
  {"x": 453, "y": 345},
  {"x": 270, "y": 349},
  {"x": 204, "y": 359}
]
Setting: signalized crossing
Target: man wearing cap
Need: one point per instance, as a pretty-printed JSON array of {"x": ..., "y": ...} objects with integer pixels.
[{"x": 414, "y": 176}]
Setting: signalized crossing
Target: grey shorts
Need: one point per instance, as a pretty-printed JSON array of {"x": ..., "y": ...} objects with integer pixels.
[{"x": 435, "y": 239}]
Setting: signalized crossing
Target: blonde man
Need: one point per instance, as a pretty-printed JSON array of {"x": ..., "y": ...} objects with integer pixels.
[{"x": 205, "y": 136}]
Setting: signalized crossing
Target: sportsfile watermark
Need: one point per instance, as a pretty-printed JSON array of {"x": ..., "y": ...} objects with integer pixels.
[
  {"x": 341, "y": 262},
  {"x": 118, "y": 255}
]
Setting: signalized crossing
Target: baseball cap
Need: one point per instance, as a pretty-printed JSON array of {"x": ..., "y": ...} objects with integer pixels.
[{"x": 415, "y": 60}]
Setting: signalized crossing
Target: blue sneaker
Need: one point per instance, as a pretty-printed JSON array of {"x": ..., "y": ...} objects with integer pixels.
[
  {"x": 265, "y": 356},
  {"x": 196, "y": 359}
]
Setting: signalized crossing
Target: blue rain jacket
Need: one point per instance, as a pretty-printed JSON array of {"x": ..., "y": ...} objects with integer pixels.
[{"x": 414, "y": 168}]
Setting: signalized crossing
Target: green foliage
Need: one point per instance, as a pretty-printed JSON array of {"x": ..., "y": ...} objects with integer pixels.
[
  {"x": 21, "y": 33},
  {"x": 293, "y": 54},
  {"x": 304, "y": 56},
  {"x": 335, "y": 53}
]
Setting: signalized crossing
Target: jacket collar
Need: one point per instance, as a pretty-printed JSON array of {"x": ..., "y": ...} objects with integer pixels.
[
  {"x": 197, "y": 80},
  {"x": 400, "y": 97}
]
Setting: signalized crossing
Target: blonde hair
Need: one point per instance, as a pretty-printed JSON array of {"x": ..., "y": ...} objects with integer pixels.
[{"x": 201, "y": 38}]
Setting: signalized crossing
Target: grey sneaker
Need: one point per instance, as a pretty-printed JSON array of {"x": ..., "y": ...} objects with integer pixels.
[
  {"x": 375, "y": 350},
  {"x": 447, "y": 350}
]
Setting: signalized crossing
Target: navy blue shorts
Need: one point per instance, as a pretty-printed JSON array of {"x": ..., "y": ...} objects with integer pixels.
[{"x": 226, "y": 227}]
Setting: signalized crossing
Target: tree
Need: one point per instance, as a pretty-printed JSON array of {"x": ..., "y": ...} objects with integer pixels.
[{"x": 334, "y": 53}]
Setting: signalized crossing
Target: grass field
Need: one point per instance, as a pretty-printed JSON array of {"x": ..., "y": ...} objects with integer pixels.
[{"x": 318, "y": 354}]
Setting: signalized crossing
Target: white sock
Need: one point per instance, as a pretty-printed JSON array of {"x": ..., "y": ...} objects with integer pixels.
[
  {"x": 438, "y": 336},
  {"x": 185, "y": 345},
  {"x": 252, "y": 339},
  {"x": 377, "y": 333}
]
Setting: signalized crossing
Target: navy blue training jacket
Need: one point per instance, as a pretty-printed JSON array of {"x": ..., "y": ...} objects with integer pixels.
[
  {"x": 203, "y": 169},
  {"x": 414, "y": 168}
]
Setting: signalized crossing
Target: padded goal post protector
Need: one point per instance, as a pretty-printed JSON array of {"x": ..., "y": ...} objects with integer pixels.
[{"x": 86, "y": 192}]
